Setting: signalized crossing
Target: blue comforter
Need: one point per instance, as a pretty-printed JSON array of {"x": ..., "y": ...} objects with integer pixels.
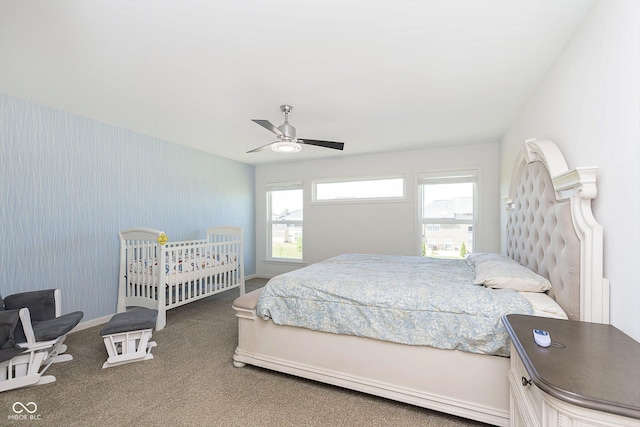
[{"x": 408, "y": 300}]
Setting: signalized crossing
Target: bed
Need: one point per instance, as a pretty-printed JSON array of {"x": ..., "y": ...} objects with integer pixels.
[
  {"x": 550, "y": 230},
  {"x": 159, "y": 274}
]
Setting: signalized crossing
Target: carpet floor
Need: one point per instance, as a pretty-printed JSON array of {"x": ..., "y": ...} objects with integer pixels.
[{"x": 192, "y": 382}]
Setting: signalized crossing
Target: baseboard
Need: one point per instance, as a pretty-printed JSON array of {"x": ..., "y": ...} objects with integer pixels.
[
  {"x": 104, "y": 319},
  {"x": 91, "y": 323},
  {"x": 257, "y": 276}
]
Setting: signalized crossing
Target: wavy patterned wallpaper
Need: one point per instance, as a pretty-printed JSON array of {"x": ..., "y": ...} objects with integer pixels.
[{"x": 69, "y": 184}]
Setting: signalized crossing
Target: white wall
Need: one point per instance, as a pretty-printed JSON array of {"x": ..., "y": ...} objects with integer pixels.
[
  {"x": 386, "y": 228},
  {"x": 589, "y": 104}
]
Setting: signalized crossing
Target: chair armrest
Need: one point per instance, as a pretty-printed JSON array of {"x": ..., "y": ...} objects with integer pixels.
[
  {"x": 40, "y": 345},
  {"x": 25, "y": 319}
]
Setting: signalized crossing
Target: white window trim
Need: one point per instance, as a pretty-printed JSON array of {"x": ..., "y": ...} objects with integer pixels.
[
  {"x": 446, "y": 177},
  {"x": 282, "y": 186},
  {"x": 391, "y": 199}
]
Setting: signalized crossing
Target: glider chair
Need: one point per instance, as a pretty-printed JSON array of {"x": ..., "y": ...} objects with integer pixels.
[
  {"x": 41, "y": 326},
  {"x": 18, "y": 367}
]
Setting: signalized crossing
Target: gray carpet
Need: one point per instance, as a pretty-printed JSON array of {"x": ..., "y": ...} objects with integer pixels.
[{"x": 192, "y": 382}]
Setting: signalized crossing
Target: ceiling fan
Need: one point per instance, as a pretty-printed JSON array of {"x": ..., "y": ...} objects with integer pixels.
[{"x": 287, "y": 141}]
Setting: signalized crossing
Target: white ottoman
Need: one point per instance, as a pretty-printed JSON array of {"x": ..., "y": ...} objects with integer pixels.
[{"x": 127, "y": 336}]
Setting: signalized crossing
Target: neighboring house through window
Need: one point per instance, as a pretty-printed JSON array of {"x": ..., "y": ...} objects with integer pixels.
[
  {"x": 285, "y": 219},
  {"x": 448, "y": 213}
]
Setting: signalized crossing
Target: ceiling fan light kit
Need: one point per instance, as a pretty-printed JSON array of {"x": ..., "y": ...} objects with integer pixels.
[
  {"x": 287, "y": 141},
  {"x": 286, "y": 147}
]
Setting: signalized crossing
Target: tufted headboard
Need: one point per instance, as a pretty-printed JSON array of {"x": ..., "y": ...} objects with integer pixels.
[{"x": 551, "y": 229}]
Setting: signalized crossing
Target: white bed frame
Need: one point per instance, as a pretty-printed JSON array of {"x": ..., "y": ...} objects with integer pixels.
[
  {"x": 140, "y": 288},
  {"x": 468, "y": 385}
]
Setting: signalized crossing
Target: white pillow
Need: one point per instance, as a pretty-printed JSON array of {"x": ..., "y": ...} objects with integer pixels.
[
  {"x": 476, "y": 258},
  {"x": 509, "y": 275},
  {"x": 543, "y": 305}
]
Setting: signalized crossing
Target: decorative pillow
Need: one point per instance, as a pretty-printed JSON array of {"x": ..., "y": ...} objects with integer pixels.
[
  {"x": 509, "y": 275},
  {"x": 476, "y": 258}
]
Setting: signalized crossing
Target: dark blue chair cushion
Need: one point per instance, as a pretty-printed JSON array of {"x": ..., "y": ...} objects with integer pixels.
[
  {"x": 134, "y": 320},
  {"x": 8, "y": 323},
  {"x": 41, "y": 304},
  {"x": 57, "y": 327},
  {"x": 42, "y": 310}
]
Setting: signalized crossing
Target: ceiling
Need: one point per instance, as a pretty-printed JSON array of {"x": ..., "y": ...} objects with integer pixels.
[{"x": 379, "y": 75}]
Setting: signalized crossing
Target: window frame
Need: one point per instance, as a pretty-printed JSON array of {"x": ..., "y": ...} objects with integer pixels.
[
  {"x": 282, "y": 186},
  {"x": 346, "y": 200},
  {"x": 447, "y": 177}
]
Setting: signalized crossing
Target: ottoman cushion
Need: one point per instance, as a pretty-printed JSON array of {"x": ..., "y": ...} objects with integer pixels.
[{"x": 134, "y": 320}]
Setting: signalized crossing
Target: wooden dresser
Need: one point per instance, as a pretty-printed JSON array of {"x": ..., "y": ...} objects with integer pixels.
[{"x": 589, "y": 376}]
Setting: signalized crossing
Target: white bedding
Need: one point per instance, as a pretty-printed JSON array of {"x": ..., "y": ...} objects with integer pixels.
[
  {"x": 543, "y": 305},
  {"x": 427, "y": 301}
]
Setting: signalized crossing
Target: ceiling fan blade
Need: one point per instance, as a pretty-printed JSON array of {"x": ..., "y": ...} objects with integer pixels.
[
  {"x": 326, "y": 144},
  {"x": 259, "y": 148},
  {"x": 269, "y": 126}
]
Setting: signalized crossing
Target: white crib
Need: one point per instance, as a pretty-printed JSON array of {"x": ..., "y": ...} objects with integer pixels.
[{"x": 158, "y": 274}]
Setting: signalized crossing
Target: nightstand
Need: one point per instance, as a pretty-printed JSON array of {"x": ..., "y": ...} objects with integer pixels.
[{"x": 589, "y": 376}]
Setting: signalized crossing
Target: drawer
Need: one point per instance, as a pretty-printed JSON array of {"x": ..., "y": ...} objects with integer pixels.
[{"x": 529, "y": 398}]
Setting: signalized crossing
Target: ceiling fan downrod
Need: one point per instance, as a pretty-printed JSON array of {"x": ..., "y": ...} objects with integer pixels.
[{"x": 289, "y": 132}]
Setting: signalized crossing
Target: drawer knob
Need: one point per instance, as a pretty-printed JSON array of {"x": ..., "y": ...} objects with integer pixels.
[{"x": 525, "y": 382}]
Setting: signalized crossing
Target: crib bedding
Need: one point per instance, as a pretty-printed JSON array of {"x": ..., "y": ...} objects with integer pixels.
[
  {"x": 186, "y": 264},
  {"x": 428, "y": 301}
]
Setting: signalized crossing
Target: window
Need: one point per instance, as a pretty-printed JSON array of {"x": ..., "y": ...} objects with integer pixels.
[
  {"x": 447, "y": 220},
  {"x": 284, "y": 207},
  {"x": 359, "y": 189},
  {"x": 433, "y": 227}
]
